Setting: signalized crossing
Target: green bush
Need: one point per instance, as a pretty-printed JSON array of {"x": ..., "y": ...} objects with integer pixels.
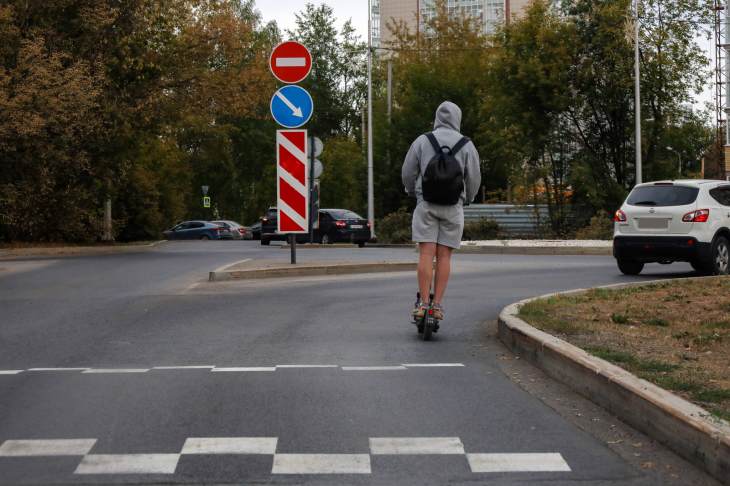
[
  {"x": 600, "y": 228},
  {"x": 483, "y": 229},
  {"x": 395, "y": 227}
]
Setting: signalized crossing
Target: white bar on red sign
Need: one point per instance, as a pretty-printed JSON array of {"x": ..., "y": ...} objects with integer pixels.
[{"x": 292, "y": 181}]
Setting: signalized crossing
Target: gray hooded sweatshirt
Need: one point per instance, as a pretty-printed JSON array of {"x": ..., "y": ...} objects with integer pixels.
[{"x": 446, "y": 129}]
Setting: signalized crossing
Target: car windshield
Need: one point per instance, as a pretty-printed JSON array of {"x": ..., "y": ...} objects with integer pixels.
[
  {"x": 344, "y": 214},
  {"x": 665, "y": 195}
]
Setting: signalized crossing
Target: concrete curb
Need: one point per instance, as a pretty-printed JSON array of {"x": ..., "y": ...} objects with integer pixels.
[
  {"x": 535, "y": 250},
  {"x": 481, "y": 250},
  {"x": 685, "y": 428},
  {"x": 67, "y": 251},
  {"x": 311, "y": 270}
]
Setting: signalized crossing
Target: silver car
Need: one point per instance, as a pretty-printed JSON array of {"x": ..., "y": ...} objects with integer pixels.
[{"x": 237, "y": 231}]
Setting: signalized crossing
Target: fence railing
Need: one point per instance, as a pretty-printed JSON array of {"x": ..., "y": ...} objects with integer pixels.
[{"x": 513, "y": 220}]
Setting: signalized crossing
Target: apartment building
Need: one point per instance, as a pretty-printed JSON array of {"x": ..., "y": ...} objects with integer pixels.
[{"x": 417, "y": 13}]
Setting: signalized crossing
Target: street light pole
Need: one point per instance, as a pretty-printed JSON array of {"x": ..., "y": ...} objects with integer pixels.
[
  {"x": 637, "y": 93},
  {"x": 371, "y": 197}
]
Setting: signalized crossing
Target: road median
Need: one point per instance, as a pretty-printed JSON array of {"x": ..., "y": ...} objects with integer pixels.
[
  {"x": 62, "y": 250},
  {"x": 687, "y": 428},
  {"x": 277, "y": 269}
]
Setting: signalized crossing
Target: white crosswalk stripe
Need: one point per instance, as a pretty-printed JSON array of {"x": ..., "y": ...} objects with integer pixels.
[
  {"x": 110, "y": 464},
  {"x": 46, "y": 447},
  {"x": 115, "y": 370},
  {"x": 544, "y": 462},
  {"x": 128, "y": 464},
  {"x": 416, "y": 445},
  {"x": 373, "y": 368},
  {"x": 244, "y": 368},
  {"x": 321, "y": 464},
  {"x": 230, "y": 445}
]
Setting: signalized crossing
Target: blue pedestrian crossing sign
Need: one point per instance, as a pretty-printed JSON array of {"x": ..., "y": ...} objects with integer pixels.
[{"x": 292, "y": 106}]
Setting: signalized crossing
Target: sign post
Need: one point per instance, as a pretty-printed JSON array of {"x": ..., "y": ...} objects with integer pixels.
[{"x": 292, "y": 107}]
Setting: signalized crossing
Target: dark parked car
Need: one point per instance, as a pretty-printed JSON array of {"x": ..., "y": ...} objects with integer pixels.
[
  {"x": 335, "y": 225},
  {"x": 255, "y": 231},
  {"x": 196, "y": 230},
  {"x": 342, "y": 225}
]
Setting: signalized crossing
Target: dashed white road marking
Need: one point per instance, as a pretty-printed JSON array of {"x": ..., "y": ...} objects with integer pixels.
[
  {"x": 306, "y": 366},
  {"x": 372, "y": 368},
  {"x": 230, "y": 445},
  {"x": 46, "y": 447},
  {"x": 531, "y": 462},
  {"x": 433, "y": 365},
  {"x": 416, "y": 445},
  {"x": 10, "y": 372},
  {"x": 58, "y": 369},
  {"x": 128, "y": 464},
  {"x": 321, "y": 464},
  {"x": 249, "y": 368},
  {"x": 202, "y": 367},
  {"x": 116, "y": 370}
]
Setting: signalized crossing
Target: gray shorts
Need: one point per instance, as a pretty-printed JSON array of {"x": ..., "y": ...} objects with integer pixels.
[{"x": 434, "y": 223}]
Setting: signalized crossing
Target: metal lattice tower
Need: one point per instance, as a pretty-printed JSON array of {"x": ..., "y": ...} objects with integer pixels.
[{"x": 720, "y": 68}]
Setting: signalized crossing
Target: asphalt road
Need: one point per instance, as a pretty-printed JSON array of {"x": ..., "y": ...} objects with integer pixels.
[{"x": 150, "y": 374}]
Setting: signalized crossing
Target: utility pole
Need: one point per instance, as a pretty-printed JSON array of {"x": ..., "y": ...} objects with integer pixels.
[
  {"x": 371, "y": 197},
  {"x": 727, "y": 92},
  {"x": 390, "y": 89},
  {"x": 637, "y": 93}
]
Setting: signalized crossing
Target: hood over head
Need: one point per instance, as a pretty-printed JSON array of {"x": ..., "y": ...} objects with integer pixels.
[{"x": 448, "y": 115}]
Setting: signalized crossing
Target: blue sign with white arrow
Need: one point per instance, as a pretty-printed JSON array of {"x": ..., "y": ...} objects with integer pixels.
[{"x": 292, "y": 106}]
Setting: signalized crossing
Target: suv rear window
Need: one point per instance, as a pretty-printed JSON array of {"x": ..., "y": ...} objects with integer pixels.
[{"x": 662, "y": 196}]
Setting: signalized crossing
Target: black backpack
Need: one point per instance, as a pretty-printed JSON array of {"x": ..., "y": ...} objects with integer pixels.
[{"x": 443, "y": 180}]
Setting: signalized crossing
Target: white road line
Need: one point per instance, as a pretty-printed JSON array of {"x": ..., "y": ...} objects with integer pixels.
[
  {"x": 115, "y": 370},
  {"x": 321, "y": 464},
  {"x": 485, "y": 463},
  {"x": 372, "y": 368},
  {"x": 183, "y": 367},
  {"x": 291, "y": 62},
  {"x": 306, "y": 366},
  {"x": 58, "y": 369},
  {"x": 10, "y": 372},
  {"x": 250, "y": 368},
  {"x": 46, "y": 447},
  {"x": 416, "y": 445},
  {"x": 128, "y": 464},
  {"x": 432, "y": 365},
  {"x": 230, "y": 445}
]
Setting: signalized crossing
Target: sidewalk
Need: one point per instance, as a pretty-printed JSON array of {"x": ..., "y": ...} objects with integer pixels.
[
  {"x": 539, "y": 247},
  {"x": 69, "y": 250}
]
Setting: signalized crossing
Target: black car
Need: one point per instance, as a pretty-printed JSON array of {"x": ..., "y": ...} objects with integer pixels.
[
  {"x": 342, "y": 225},
  {"x": 335, "y": 225}
]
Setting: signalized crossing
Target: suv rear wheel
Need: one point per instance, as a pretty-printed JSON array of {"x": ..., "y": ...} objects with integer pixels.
[
  {"x": 265, "y": 241},
  {"x": 721, "y": 256},
  {"x": 629, "y": 267}
]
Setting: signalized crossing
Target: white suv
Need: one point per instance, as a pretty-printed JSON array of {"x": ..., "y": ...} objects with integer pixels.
[{"x": 668, "y": 221}]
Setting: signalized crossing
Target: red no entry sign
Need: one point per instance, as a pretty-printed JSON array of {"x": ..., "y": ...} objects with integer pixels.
[{"x": 290, "y": 62}]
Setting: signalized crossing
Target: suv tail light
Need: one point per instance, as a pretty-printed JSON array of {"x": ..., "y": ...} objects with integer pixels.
[
  {"x": 699, "y": 216},
  {"x": 619, "y": 217},
  {"x": 340, "y": 224}
]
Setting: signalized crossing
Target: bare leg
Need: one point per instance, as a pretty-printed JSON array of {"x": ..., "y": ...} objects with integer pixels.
[
  {"x": 425, "y": 268},
  {"x": 443, "y": 269}
]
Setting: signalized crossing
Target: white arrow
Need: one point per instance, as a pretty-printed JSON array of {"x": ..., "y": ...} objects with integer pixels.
[{"x": 295, "y": 110}]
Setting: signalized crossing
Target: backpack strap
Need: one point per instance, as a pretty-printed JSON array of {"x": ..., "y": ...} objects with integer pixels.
[
  {"x": 459, "y": 145},
  {"x": 434, "y": 143}
]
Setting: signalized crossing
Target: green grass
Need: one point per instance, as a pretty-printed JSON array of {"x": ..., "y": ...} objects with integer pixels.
[
  {"x": 632, "y": 362},
  {"x": 537, "y": 313},
  {"x": 656, "y": 322},
  {"x": 717, "y": 324},
  {"x": 712, "y": 395},
  {"x": 619, "y": 318},
  {"x": 706, "y": 339}
]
